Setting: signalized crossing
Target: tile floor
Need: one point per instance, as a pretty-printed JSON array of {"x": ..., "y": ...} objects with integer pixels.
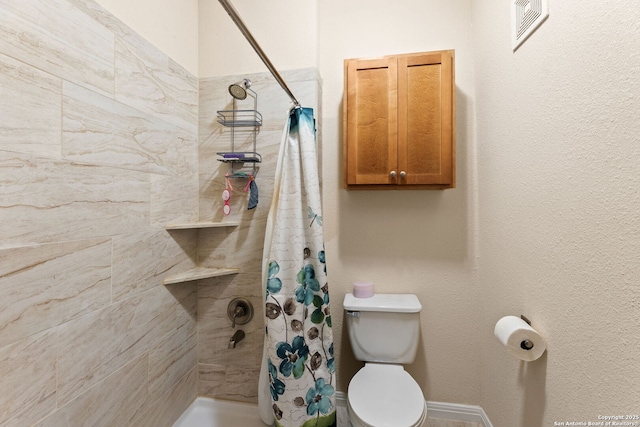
[
  {"x": 343, "y": 421},
  {"x": 435, "y": 422}
]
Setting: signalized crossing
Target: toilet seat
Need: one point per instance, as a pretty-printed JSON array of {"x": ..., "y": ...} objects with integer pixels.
[{"x": 383, "y": 395}]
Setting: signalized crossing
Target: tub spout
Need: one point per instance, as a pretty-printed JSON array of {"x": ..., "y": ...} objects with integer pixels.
[{"x": 236, "y": 338}]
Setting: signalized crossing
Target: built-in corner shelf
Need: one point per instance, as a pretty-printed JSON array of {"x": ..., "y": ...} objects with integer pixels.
[
  {"x": 200, "y": 273},
  {"x": 193, "y": 225}
]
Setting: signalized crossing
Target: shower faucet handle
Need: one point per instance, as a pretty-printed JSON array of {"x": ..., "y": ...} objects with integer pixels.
[{"x": 239, "y": 311}]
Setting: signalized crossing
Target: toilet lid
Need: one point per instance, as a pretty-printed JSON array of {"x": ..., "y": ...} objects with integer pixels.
[{"x": 386, "y": 396}]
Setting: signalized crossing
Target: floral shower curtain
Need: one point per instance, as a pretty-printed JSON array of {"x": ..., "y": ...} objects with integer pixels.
[{"x": 297, "y": 382}]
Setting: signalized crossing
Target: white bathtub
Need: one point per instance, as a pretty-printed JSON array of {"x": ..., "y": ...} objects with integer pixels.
[{"x": 206, "y": 412}]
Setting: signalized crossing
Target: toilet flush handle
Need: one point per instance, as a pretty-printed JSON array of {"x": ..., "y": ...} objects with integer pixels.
[{"x": 353, "y": 313}]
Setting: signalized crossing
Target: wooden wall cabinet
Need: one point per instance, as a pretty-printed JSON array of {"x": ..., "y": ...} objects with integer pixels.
[{"x": 399, "y": 122}]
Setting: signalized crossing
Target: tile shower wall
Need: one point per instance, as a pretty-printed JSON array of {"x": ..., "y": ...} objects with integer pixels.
[
  {"x": 98, "y": 150},
  {"x": 233, "y": 373}
]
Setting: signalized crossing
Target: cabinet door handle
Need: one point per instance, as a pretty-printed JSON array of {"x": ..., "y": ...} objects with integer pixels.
[
  {"x": 403, "y": 174},
  {"x": 392, "y": 174}
]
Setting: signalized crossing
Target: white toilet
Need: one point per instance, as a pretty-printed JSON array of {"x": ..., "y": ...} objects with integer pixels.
[{"x": 384, "y": 331}]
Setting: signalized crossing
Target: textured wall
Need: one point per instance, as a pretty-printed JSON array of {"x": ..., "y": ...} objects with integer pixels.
[
  {"x": 559, "y": 209},
  {"x": 98, "y": 150},
  {"x": 420, "y": 242},
  {"x": 285, "y": 29},
  {"x": 170, "y": 25}
]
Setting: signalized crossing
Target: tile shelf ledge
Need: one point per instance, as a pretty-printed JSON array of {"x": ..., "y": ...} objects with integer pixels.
[
  {"x": 199, "y": 273},
  {"x": 204, "y": 224}
]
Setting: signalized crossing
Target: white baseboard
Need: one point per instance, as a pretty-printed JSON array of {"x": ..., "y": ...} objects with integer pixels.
[
  {"x": 441, "y": 410},
  {"x": 457, "y": 412}
]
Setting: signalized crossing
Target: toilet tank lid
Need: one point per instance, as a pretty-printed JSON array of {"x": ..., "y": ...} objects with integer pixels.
[{"x": 395, "y": 303}]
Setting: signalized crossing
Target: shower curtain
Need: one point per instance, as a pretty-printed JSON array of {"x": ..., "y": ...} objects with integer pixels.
[{"x": 297, "y": 378}]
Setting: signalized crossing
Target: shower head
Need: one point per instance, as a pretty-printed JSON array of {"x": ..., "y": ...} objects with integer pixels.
[{"x": 239, "y": 90}]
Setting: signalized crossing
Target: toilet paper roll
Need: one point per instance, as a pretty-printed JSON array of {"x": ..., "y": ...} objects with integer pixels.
[{"x": 520, "y": 339}]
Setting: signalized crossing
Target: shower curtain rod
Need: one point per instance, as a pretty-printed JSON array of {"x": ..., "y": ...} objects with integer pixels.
[{"x": 233, "y": 13}]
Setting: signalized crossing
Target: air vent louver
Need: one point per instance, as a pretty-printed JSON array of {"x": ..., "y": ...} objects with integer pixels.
[{"x": 526, "y": 16}]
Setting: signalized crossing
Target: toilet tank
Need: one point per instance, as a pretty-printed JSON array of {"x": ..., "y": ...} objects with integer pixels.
[{"x": 384, "y": 328}]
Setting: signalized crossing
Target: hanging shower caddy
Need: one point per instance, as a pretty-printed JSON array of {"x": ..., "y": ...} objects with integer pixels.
[{"x": 249, "y": 119}]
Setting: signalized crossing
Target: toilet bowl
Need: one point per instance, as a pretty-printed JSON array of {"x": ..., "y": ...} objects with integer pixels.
[
  {"x": 384, "y": 330},
  {"x": 385, "y": 395}
]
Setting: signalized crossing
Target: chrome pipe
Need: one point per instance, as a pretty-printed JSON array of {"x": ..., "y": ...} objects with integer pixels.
[{"x": 235, "y": 17}]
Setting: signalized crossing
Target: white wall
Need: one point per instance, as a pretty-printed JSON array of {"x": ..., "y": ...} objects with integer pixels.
[
  {"x": 200, "y": 36},
  {"x": 170, "y": 25},
  {"x": 419, "y": 242},
  {"x": 559, "y": 209},
  {"x": 284, "y": 29}
]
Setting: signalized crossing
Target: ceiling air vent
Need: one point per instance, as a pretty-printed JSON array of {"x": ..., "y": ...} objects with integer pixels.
[{"x": 526, "y": 16}]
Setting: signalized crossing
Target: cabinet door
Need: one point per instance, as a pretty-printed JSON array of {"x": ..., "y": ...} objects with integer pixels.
[
  {"x": 371, "y": 121},
  {"x": 425, "y": 119}
]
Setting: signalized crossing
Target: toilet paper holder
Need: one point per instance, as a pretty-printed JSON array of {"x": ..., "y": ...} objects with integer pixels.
[
  {"x": 519, "y": 338},
  {"x": 526, "y": 344}
]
